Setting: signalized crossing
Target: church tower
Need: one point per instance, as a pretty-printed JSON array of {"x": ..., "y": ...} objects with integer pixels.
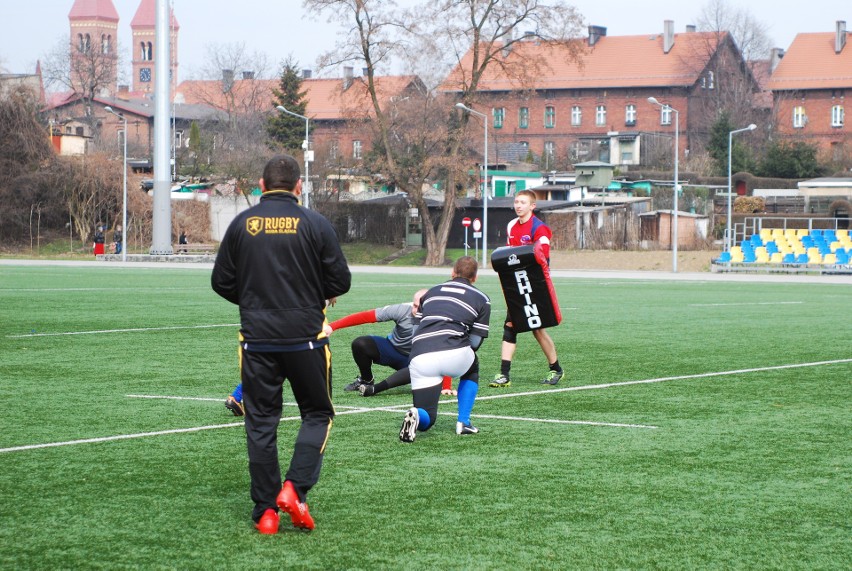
[
  {"x": 144, "y": 44},
  {"x": 94, "y": 40}
]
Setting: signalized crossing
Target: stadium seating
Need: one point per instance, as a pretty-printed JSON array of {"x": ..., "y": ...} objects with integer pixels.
[{"x": 792, "y": 246}]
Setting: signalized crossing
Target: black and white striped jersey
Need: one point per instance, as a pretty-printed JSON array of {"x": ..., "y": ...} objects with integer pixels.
[{"x": 449, "y": 314}]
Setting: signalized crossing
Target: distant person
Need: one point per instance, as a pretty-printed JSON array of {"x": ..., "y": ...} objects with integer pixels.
[
  {"x": 453, "y": 320},
  {"x": 282, "y": 263},
  {"x": 182, "y": 241},
  {"x": 100, "y": 240},
  {"x": 527, "y": 230},
  {"x": 117, "y": 239}
]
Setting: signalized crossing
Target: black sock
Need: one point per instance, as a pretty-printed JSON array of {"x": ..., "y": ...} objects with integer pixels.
[
  {"x": 505, "y": 367},
  {"x": 380, "y": 387},
  {"x": 555, "y": 366}
]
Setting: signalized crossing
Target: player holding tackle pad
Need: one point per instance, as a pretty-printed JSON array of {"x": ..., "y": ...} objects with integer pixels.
[{"x": 524, "y": 270}]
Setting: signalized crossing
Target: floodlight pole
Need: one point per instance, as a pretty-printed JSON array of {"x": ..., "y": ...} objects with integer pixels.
[
  {"x": 306, "y": 147},
  {"x": 485, "y": 188},
  {"x": 109, "y": 109},
  {"x": 729, "y": 231},
  {"x": 654, "y": 101}
]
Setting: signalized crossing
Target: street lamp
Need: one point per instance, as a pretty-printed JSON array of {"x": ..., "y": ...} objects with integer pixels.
[
  {"x": 467, "y": 109},
  {"x": 728, "y": 233},
  {"x": 653, "y": 100},
  {"x": 109, "y": 109},
  {"x": 305, "y": 146}
]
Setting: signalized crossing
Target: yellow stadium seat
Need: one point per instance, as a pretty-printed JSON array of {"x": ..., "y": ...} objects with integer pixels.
[
  {"x": 829, "y": 259},
  {"x": 813, "y": 252},
  {"x": 802, "y": 232},
  {"x": 777, "y": 232},
  {"x": 761, "y": 258},
  {"x": 765, "y": 234},
  {"x": 834, "y": 245},
  {"x": 790, "y": 233},
  {"x": 760, "y": 251},
  {"x": 737, "y": 257},
  {"x": 815, "y": 258},
  {"x": 776, "y": 258},
  {"x": 842, "y": 234}
]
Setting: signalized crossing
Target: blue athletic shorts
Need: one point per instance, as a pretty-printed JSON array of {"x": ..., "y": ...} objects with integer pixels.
[{"x": 388, "y": 354}]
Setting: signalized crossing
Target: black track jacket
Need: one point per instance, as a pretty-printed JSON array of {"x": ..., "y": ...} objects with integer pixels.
[{"x": 280, "y": 262}]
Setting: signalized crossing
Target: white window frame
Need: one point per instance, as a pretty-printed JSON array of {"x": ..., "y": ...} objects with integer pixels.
[
  {"x": 549, "y": 117},
  {"x": 576, "y": 116},
  {"x": 356, "y": 149},
  {"x": 600, "y": 116},
  {"x": 837, "y": 115},
  {"x": 800, "y": 118},
  {"x": 665, "y": 115},
  {"x": 630, "y": 114}
]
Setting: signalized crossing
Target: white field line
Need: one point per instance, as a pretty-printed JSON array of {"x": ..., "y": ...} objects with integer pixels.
[
  {"x": 137, "y": 329},
  {"x": 741, "y": 303},
  {"x": 396, "y": 408}
]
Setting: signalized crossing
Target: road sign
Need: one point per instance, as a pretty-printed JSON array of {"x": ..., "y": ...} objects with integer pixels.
[
  {"x": 477, "y": 225},
  {"x": 465, "y": 222}
]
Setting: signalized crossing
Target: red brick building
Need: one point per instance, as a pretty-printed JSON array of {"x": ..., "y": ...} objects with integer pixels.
[
  {"x": 596, "y": 108},
  {"x": 809, "y": 88}
]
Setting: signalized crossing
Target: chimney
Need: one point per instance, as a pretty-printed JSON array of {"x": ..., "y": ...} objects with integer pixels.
[
  {"x": 668, "y": 36},
  {"x": 365, "y": 71},
  {"x": 227, "y": 80},
  {"x": 595, "y": 34},
  {"x": 306, "y": 74},
  {"x": 248, "y": 75},
  {"x": 123, "y": 92},
  {"x": 347, "y": 76},
  {"x": 508, "y": 37},
  {"x": 840, "y": 37},
  {"x": 690, "y": 28},
  {"x": 775, "y": 57}
]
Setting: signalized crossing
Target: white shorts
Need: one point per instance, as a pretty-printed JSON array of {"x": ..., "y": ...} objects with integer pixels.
[{"x": 428, "y": 369}]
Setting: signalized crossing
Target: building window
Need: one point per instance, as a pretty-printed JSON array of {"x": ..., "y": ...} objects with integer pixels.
[
  {"x": 550, "y": 116},
  {"x": 120, "y": 134},
  {"x": 799, "y": 117},
  {"x": 356, "y": 149},
  {"x": 498, "y": 113},
  {"x": 525, "y": 145},
  {"x": 665, "y": 115},
  {"x": 145, "y": 51},
  {"x": 84, "y": 42},
  {"x": 523, "y": 117},
  {"x": 178, "y": 139},
  {"x": 104, "y": 44},
  {"x": 333, "y": 150},
  {"x": 549, "y": 152},
  {"x": 600, "y": 115},
  {"x": 630, "y": 115},
  {"x": 576, "y": 116},
  {"x": 837, "y": 116}
]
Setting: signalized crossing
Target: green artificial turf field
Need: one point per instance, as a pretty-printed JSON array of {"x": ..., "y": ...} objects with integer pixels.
[{"x": 700, "y": 425}]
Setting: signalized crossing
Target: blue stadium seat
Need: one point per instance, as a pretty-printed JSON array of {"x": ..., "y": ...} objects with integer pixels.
[
  {"x": 724, "y": 258},
  {"x": 842, "y": 256},
  {"x": 789, "y": 258},
  {"x": 749, "y": 257},
  {"x": 771, "y": 248},
  {"x": 802, "y": 259},
  {"x": 756, "y": 240}
]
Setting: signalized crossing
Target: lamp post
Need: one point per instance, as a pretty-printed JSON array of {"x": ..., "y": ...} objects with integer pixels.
[
  {"x": 653, "y": 100},
  {"x": 305, "y": 147},
  {"x": 728, "y": 232},
  {"x": 109, "y": 109},
  {"x": 467, "y": 109}
]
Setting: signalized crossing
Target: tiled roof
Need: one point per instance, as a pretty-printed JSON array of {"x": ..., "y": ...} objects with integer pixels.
[
  {"x": 614, "y": 61},
  {"x": 811, "y": 63},
  {"x": 326, "y": 98},
  {"x": 146, "y": 16},
  {"x": 98, "y": 9}
]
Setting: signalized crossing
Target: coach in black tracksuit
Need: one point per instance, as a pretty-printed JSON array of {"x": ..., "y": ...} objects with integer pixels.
[{"x": 280, "y": 263}]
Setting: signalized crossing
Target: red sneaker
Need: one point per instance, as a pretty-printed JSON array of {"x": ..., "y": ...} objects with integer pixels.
[
  {"x": 288, "y": 501},
  {"x": 268, "y": 524}
]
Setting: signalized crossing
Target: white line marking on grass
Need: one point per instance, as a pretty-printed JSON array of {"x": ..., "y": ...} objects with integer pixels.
[
  {"x": 741, "y": 303},
  {"x": 554, "y": 421},
  {"x": 663, "y": 379},
  {"x": 133, "y": 330}
]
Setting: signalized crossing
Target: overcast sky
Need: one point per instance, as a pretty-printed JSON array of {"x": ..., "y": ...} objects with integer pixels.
[{"x": 29, "y": 29}]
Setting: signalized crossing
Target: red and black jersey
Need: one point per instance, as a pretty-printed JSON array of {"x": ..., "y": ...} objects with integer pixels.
[
  {"x": 533, "y": 232},
  {"x": 280, "y": 262}
]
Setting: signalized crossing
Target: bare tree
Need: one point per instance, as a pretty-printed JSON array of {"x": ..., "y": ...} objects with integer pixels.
[
  {"x": 750, "y": 35},
  {"x": 376, "y": 31},
  {"x": 87, "y": 70}
]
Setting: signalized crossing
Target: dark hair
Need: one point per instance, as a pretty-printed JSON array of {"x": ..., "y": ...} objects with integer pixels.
[
  {"x": 466, "y": 267},
  {"x": 281, "y": 173}
]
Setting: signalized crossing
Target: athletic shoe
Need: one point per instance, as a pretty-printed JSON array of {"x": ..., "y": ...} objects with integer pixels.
[
  {"x": 408, "y": 432},
  {"x": 268, "y": 524},
  {"x": 500, "y": 381},
  {"x": 462, "y": 428},
  {"x": 553, "y": 377},
  {"x": 234, "y": 406},
  {"x": 288, "y": 501},
  {"x": 353, "y": 386},
  {"x": 367, "y": 390}
]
